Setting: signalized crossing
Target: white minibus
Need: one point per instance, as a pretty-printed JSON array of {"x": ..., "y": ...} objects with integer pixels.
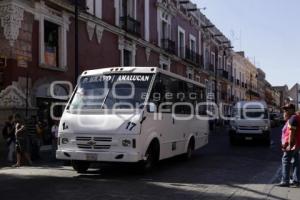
[
  {"x": 250, "y": 121},
  {"x": 132, "y": 115}
]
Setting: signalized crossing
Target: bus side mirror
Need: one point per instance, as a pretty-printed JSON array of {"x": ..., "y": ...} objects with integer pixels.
[{"x": 151, "y": 107}]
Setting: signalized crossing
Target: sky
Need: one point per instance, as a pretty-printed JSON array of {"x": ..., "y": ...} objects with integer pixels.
[{"x": 267, "y": 30}]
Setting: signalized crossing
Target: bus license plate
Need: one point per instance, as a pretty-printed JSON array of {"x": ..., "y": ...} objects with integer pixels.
[
  {"x": 248, "y": 138},
  {"x": 91, "y": 157}
]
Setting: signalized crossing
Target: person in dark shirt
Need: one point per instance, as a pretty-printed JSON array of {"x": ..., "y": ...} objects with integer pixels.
[{"x": 9, "y": 136}]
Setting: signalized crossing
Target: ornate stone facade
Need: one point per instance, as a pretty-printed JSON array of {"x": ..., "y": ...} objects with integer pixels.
[{"x": 11, "y": 17}]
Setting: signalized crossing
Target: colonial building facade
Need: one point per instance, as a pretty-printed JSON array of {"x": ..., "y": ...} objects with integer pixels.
[{"x": 38, "y": 40}]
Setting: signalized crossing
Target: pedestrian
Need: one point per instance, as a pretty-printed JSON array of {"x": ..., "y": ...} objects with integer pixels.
[
  {"x": 54, "y": 134},
  {"x": 40, "y": 134},
  {"x": 22, "y": 141},
  {"x": 290, "y": 147},
  {"x": 9, "y": 137}
]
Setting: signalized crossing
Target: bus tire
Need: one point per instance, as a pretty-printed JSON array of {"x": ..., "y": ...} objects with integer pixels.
[
  {"x": 190, "y": 149},
  {"x": 152, "y": 157},
  {"x": 80, "y": 166}
]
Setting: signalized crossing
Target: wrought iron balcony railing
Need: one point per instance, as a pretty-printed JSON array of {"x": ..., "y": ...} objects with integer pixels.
[
  {"x": 130, "y": 25},
  {"x": 168, "y": 45},
  {"x": 192, "y": 56}
]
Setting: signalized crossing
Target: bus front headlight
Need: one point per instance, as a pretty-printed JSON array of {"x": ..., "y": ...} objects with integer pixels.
[
  {"x": 64, "y": 140},
  {"x": 126, "y": 143},
  {"x": 266, "y": 128}
]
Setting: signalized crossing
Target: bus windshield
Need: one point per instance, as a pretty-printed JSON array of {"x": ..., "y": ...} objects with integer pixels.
[{"x": 113, "y": 91}]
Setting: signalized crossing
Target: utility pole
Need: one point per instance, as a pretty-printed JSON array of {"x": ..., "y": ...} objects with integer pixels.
[
  {"x": 26, "y": 103},
  {"x": 250, "y": 90},
  {"x": 76, "y": 43}
]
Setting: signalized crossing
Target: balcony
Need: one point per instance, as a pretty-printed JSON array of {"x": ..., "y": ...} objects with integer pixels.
[
  {"x": 225, "y": 74},
  {"x": 232, "y": 79},
  {"x": 211, "y": 68},
  {"x": 192, "y": 56},
  {"x": 168, "y": 45},
  {"x": 131, "y": 25}
]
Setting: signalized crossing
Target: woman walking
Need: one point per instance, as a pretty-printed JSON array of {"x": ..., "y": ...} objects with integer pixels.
[{"x": 22, "y": 141}]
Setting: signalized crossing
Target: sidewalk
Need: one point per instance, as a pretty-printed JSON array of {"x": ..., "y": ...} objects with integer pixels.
[{"x": 47, "y": 157}]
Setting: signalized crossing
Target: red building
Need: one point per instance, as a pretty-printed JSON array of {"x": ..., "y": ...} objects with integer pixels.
[{"x": 37, "y": 46}]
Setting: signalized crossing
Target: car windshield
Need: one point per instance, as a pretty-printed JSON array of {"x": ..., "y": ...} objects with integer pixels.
[
  {"x": 254, "y": 114},
  {"x": 113, "y": 91}
]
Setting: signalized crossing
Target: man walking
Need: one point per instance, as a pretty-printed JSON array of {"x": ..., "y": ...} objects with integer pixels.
[
  {"x": 8, "y": 133},
  {"x": 290, "y": 147}
]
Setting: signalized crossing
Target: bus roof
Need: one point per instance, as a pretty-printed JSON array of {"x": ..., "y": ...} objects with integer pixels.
[{"x": 138, "y": 70}]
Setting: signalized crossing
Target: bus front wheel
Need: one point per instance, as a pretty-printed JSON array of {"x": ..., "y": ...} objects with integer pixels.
[
  {"x": 190, "y": 149},
  {"x": 80, "y": 166},
  {"x": 152, "y": 157}
]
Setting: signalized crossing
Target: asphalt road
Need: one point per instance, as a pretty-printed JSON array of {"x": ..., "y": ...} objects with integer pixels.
[{"x": 218, "y": 171}]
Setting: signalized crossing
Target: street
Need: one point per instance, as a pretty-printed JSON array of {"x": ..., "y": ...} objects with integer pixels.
[{"x": 218, "y": 171}]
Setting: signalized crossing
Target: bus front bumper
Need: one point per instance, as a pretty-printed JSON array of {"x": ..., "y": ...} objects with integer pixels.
[{"x": 130, "y": 157}]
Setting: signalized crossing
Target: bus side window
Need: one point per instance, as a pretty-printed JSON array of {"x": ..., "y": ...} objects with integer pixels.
[
  {"x": 164, "y": 91},
  {"x": 201, "y": 98},
  {"x": 182, "y": 97}
]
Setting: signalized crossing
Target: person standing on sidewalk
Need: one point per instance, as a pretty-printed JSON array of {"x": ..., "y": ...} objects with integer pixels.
[
  {"x": 54, "y": 134},
  {"x": 290, "y": 147},
  {"x": 9, "y": 136},
  {"x": 22, "y": 141}
]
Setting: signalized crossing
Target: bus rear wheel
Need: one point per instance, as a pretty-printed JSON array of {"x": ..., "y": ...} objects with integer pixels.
[{"x": 80, "y": 166}]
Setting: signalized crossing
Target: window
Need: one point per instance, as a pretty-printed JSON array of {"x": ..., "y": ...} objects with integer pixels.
[
  {"x": 127, "y": 52},
  {"x": 213, "y": 60},
  {"x": 111, "y": 91},
  {"x": 190, "y": 73},
  {"x": 128, "y": 8},
  {"x": 164, "y": 91},
  {"x": 220, "y": 62},
  {"x": 94, "y": 7},
  {"x": 165, "y": 26},
  {"x": 181, "y": 42},
  {"x": 164, "y": 63},
  {"x": 193, "y": 43},
  {"x": 206, "y": 58},
  {"x": 51, "y": 44},
  {"x": 127, "y": 56}
]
